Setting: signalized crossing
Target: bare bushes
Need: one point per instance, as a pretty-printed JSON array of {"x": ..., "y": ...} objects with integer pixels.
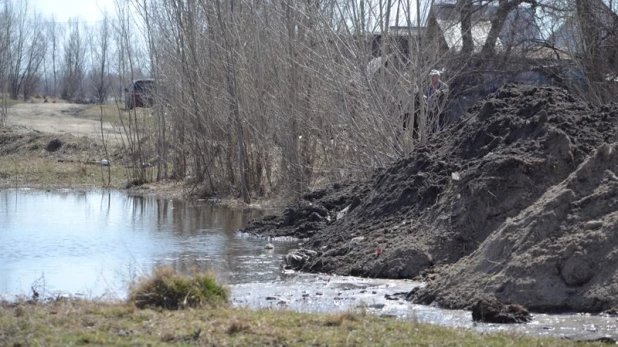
[
  {"x": 168, "y": 290},
  {"x": 274, "y": 97}
]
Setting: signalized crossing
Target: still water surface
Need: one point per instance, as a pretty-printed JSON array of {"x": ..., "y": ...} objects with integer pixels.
[{"x": 95, "y": 243}]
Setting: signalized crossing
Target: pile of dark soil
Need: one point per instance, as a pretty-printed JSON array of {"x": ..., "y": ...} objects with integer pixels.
[{"x": 472, "y": 192}]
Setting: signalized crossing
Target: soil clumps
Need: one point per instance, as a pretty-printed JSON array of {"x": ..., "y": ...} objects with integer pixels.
[
  {"x": 517, "y": 201},
  {"x": 492, "y": 311}
]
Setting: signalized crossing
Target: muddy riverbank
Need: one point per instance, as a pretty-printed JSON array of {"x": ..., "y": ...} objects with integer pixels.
[{"x": 516, "y": 202}]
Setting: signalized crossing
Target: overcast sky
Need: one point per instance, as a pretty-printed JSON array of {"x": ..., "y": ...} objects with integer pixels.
[{"x": 87, "y": 10}]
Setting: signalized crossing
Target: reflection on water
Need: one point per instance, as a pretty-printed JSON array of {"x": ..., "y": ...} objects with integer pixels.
[{"x": 96, "y": 242}]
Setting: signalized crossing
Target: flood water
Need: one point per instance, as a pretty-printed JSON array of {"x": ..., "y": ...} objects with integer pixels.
[{"x": 93, "y": 244}]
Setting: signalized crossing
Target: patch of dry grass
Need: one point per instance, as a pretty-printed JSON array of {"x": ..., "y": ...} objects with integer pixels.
[
  {"x": 339, "y": 319},
  {"x": 122, "y": 324},
  {"x": 47, "y": 173},
  {"x": 169, "y": 290},
  {"x": 113, "y": 112}
]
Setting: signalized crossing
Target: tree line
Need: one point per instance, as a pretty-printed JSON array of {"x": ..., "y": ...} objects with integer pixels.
[{"x": 265, "y": 97}]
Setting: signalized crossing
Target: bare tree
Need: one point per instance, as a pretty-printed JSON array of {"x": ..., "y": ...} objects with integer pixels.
[
  {"x": 466, "y": 26},
  {"x": 73, "y": 68},
  {"x": 36, "y": 50},
  {"x": 54, "y": 33},
  {"x": 18, "y": 35},
  {"x": 100, "y": 53},
  {"x": 497, "y": 23},
  {"x": 5, "y": 29},
  {"x": 275, "y": 96}
]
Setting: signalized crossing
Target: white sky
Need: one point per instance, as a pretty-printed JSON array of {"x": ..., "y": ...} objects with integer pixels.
[{"x": 86, "y": 10}]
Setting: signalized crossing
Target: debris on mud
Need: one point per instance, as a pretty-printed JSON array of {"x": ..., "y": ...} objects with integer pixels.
[
  {"x": 514, "y": 202},
  {"x": 296, "y": 258},
  {"x": 492, "y": 311}
]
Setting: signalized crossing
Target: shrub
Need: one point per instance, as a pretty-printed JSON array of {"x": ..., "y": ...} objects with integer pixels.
[{"x": 169, "y": 290}]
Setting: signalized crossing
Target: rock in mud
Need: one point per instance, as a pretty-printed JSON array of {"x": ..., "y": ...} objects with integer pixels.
[
  {"x": 577, "y": 270},
  {"x": 405, "y": 262},
  {"x": 492, "y": 311},
  {"x": 297, "y": 258}
]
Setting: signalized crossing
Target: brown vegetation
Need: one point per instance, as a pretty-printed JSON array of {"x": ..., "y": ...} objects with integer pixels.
[
  {"x": 75, "y": 322},
  {"x": 274, "y": 98},
  {"x": 168, "y": 290}
]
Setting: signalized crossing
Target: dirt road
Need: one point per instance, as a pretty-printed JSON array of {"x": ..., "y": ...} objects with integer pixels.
[{"x": 61, "y": 118}]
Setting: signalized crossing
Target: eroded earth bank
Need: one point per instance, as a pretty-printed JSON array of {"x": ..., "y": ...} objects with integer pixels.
[{"x": 517, "y": 202}]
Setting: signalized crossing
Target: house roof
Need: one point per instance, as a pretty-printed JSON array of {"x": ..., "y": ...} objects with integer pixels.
[{"x": 519, "y": 28}]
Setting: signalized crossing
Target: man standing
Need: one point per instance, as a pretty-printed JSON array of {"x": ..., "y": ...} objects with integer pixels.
[{"x": 436, "y": 100}]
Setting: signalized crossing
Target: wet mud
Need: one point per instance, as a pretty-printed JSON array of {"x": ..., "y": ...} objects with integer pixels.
[
  {"x": 517, "y": 202},
  {"x": 304, "y": 292}
]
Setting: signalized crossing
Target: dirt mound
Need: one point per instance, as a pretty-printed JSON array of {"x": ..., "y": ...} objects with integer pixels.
[
  {"x": 559, "y": 254},
  {"x": 442, "y": 202}
]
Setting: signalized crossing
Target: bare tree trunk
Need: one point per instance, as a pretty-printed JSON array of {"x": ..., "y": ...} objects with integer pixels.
[
  {"x": 53, "y": 37},
  {"x": 232, "y": 86},
  {"x": 5, "y": 35},
  {"x": 162, "y": 165},
  {"x": 292, "y": 160},
  {"x": 466, "y": 27},
  {"x": 101, "y": 84},
  {"x": 17, "y": 50},
  {"x": 422, "y": 128},
  {"x": 497, "y": 22}
]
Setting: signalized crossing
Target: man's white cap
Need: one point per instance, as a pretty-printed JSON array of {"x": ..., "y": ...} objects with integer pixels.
[{"x": 434, "y": 72}]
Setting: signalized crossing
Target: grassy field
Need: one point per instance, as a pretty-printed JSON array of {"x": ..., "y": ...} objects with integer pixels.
[
  {"x": 113, "y": 112},
  {"x": 70, "y": 323},
  {"x": 26, "y": 159},
  {"x": 47, "y": 173}
]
